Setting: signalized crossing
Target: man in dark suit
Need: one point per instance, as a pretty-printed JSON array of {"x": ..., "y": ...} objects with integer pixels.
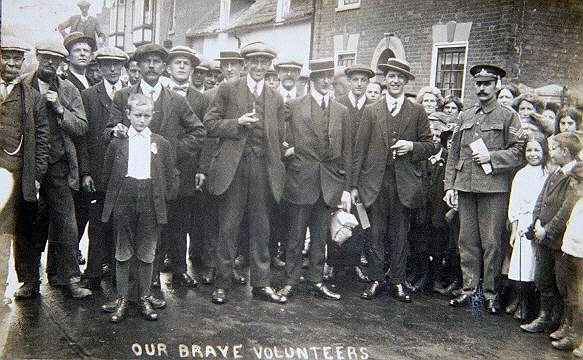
[
  {"x": 67, "y": 121},
  {"x": 181, "y": 60},
  {"x": 348, "y": 256},
  {"x": 481, "y": 195},
  {"x": 318, "y": 176},
  {"x": 246, "y": 172},
  {"x": 173, "y": 119},
  {"x": 80, "y": 48},
  {"x": 392, "y": 138},
  {"x": 23, "y": 159},
  {"x": 97, "y": 103},
  {"x": 88, "y": 25}
]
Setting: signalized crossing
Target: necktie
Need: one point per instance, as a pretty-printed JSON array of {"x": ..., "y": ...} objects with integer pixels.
[
  {"x": 255, "y": 91},
  {"x": 393, "y": 109},
  {"x": 287, "y": 97},
  {"x": 323, "y": 105},
  {"x": 152, "y": 92}
]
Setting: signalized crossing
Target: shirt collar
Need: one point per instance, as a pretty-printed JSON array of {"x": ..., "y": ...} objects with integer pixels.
[
  {"x": 391, "y": 100},
  {"x": 284, "y": 92},
  {"x": 81, "y": 78},
  {"x": 109, "y": 87},
  {"x": 148, "y": 90},
  {"x": 319, "y": 97},
  {"x": 84, "y": 18},
  {"x": 568, "y": 167},
  {"x": 132, "y": 132},
  {"x": 357, "y": 103},
  {"x": 251, "y": 84},
  {"x": 488, "y": 107}
]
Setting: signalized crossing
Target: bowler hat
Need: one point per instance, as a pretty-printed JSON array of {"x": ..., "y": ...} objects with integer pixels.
[
  {"x": 358, "y": 68},
  {"x": 110, "y": 53},
  {"x": 229, "y": 55},
  {"x": 77, "y": 37},
  {"x": 487, "y": 72},
  {"x": 148, "y": 49},
  {"x": 184, "y": 51},
  {"x": 398, "y": 65},
  {"x": 317, "y": 66},
  {"x": 51, "y": 47},
  {"x": 258, "y": 48},
  {"x": 12, "y": 43}
]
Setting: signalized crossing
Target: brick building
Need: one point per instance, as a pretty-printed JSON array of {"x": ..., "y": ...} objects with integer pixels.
[{"x": 538, "y": 42}]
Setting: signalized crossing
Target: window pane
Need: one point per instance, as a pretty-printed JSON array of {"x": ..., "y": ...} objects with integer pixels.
[
  {"x": 345, "y": 60},
  {"x": 450, "y": 70},
  {"x": 350, "y": 2}
]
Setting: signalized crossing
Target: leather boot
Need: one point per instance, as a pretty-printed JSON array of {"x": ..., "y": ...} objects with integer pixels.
[
  {"x": 542, "y": 321},
  {"x": 424, "y": 280},
  {"x": 146, "y": 309},
  {"x": 513, "y": 299},
  {"x": 564, "y": 329},
  {"x": 121, "y": 310}
]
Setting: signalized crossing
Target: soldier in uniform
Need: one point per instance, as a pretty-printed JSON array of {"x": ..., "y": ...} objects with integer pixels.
[{"x": 478, "y": 181}]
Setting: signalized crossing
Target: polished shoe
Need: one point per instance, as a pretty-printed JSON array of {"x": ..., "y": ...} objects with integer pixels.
[
  {"x": 461, "y": 301},
  {"x": 110, "y": 306},
  {"x": 146, "y": 310},
  {"x": 78, "y": 292},
  {"x": 398, "y": 292},
  {"x": 156, "y": 303},
  {"x": 512, "y": 306},
  {"x": 578, "y": 352},
  {"x": 91, "y": 283},
  {"x": 423, "y": 282},
  {"x": 120, "y": 311},
  {"x": 371, "y": 291},
  {"x": 320, "y": 290},
  {"x": 208, "y": 277},
  {"x": 360, "y": 275},
  {"x": 277, "y": 262},
  {"x": 521, "y": 312},
  {"x": 449, "y": 289},
  {"x": 539, "y": 324},
  {"x": 219, "y": 296},
  {"x": 286, "y": 291},
  {"x": 156, "y": 281},
  {"x": 268, "y": 294},
  {"x": 566, "y": 343},
  {"x": 183, "y": 279},
  {"x": 493, "y": 306},
  {"x": 409, "y": 287},
  {"x": 238, "y": 278},
  {"x": 28, "y": 290},
  {"x": 80, "y": 259}
]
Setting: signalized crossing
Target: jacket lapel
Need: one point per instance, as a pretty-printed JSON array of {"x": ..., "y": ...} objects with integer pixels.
[
  {"x": 270, "y": 111},
  {"x": 306, "y": 115},
  {"x": 242, "y": 96},
  {"x": 382, "y": 113},
  {"x": 403, "y": 119},
  {"x": 103, "y": 97}
]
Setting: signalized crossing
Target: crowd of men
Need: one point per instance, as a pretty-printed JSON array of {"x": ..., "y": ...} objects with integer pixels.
[{"x": 248, "y": 160}]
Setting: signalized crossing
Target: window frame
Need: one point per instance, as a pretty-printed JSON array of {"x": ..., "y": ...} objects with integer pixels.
[
  {"x": 341, "y": 6},
  {"x": 434, "y": 58},
  {"x": 141, "y": 29},
  {"x": 117, "y": 32},
  {"x": 338, "y": 54}
]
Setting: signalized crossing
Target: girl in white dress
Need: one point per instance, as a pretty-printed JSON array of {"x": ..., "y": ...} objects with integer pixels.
[{"x": 526, "y": 186}]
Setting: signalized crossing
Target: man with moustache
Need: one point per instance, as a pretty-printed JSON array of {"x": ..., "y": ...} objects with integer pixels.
[
  {"x": 393, "y": 137},
  {"x": 288, "y": 72},
  {"x": 481, "y": 197},
  {"x": 67, "y": 121},
  {"x": 80, "y": 48},
  {"x": 97, "y": 102},
  {"x": 246, "y": 173},
  {"x": 173, "y": 119},
  {"x": 348, "y": 256},
  {"x": 318, "y": 175},
  {"x": 181, "y": 61},
  {"x": 23, "y": 159}
]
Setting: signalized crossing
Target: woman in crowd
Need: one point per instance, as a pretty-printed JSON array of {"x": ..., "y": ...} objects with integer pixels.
[
  {"x": 430, "y": 98},
  {"x": 530, "y": 108},
  {"x": 507, "y": 94},
  {"x": 569, "y": 120},
  {"x": 452, "y": 105}
]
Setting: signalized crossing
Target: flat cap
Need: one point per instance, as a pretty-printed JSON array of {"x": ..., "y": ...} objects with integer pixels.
[
  {"x": 214, "y": 65},
  {"x": 229, "y": 55},
  {"x": 77, "y": 37},
  {"x": 12, "y": 43},
  {"x": 148, "y": 49},
  {"x": 258, "y": 48},
  {"x": 321, "y": 65},
  {"x": 111, "y": 53},
  {"x": 440, "y": 117},
  {"x": 487, "y": 72},
  {"x": 359, "y": 68},
  {"x": 184, "y": 51},
  {"x": 51, "y": 47},
  {"x": 271, "y": 71},
  {"x": 397, "y": 65},
  {"x": 83, "y": 3},
  {"x": 289, "y": 64},
  {"x": 204, "y": 65}
]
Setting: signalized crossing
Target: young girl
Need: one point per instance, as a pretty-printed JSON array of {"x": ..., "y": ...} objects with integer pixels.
[
  {"x": 528, "y": 183},
  {"x": 569, "y": 120}
]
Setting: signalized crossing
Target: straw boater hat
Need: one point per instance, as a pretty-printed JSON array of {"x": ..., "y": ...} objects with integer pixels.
[
  {"x": 184, "y": 51},
  {"x": 358, "y": 68},
  {"x": 229, "y": 55},
  {"x": 257, "y": 48},
  {"x": 147, "y": 49},
  {"x": 111, "y": 53},
  {"x": 398, "y": 65},
  {"x": 318, "y": 66},
  {"x": 77, "y": 37}
]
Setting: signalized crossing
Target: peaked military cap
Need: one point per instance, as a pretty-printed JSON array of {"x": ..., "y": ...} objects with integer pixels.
[
  {"x": 487, "y": 72},
  {"x": 77, "y": 37}
]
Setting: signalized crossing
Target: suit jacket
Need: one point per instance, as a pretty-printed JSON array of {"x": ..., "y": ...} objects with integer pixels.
[
  {"x": 27, "y": 105},
  {"x": 90, "y": 27},
  {"x": 221, "y": 121},
  {"x": 310, "y": 170},
  {"x": 162, "y": 171},
  {"x": 92, "y": 148},
  {"x": 72, "y": 124},
  {"x": 372, "y": 151},
  {"x": 180, "y": 126},
  {"x": 73, "y": 79},
  {"x": 354, "y": 115}
]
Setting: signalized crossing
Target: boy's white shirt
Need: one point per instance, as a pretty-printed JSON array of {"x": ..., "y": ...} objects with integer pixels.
[{"x": 139, "y": 153}]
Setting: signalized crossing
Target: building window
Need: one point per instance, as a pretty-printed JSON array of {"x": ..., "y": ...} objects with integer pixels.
[
  {"x": 348, "y": 5},
  {"x": 345, "y": 60},
  {"x": 117, "y": 23},
  {"x": 144, "y": 20},
  {"x": 172, "y": 21},
  {"x": 282, "y": 10},
  {"x": 449, "y": 67}
]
